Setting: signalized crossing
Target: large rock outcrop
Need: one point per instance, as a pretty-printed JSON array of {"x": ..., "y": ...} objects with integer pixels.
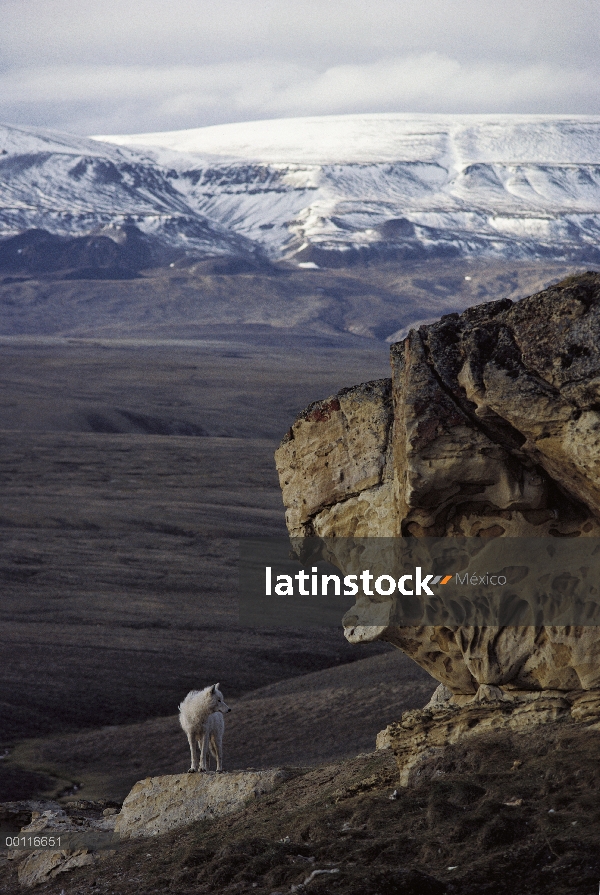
[{"x": 489, "y": 427}]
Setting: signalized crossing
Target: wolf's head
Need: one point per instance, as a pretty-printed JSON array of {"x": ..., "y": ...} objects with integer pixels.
[{"x": 217, "y": 702}]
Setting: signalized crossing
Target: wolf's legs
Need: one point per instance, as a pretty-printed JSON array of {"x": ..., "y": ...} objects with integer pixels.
[
  {"x": 192, "y": 742},
  {"x": 216, "y": 748},
  {"x": 203, "y": 752}
]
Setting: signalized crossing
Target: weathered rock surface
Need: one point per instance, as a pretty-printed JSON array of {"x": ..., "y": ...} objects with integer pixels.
[
  {"x": 423, "y": 733},
  {"x": 38, "y": 867},
  {"x": 158, "y": 804},
  {"x": 497, "y": 426},
  {"x": 489, "y": 427},
  {"x": 318, "y": 473}
]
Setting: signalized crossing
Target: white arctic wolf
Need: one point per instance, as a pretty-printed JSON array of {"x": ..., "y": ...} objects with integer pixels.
[{"x": 201, "y": 716}]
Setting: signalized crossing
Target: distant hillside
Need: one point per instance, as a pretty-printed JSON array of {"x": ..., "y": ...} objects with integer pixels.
[{"x": 83, "y": 257}]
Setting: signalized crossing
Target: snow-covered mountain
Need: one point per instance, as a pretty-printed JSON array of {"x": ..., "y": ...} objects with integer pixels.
[
  {"x": 323, "y": 190},
  {"x": 72, "y": 186}
]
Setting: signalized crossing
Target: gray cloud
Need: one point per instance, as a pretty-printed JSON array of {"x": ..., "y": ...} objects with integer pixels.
[{"x": 136, "y": 65}]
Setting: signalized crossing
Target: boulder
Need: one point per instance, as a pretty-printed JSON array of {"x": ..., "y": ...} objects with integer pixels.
[
  {"x": 488, "y": 427},
  {"x": 39, "y": 867},
  {"x": 319, "y": 473},
  {"x": 158, "y": 804}
]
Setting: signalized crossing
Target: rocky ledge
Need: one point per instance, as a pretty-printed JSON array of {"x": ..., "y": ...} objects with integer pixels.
[
  {"x": 423, "y": 734},
  {"x": 158, "y": 804}
]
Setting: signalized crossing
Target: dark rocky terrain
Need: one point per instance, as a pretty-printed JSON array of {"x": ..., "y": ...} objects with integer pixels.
[
  {"x": 509, "y": 814},
  {"x": 77, "y": 257}
]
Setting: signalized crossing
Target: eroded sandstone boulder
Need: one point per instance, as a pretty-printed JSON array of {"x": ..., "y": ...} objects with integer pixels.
[
  {"x": 489, "y": 427},
  {"x": 496, "y": 425},
  {"x": 334, "y": 456}
]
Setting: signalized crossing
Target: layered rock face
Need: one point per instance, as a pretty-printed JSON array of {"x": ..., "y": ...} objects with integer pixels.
[{"x": 489, "y": 427}]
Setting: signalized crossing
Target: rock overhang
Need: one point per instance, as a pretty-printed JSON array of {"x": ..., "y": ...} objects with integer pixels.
[{"x": 489, "y": 427}]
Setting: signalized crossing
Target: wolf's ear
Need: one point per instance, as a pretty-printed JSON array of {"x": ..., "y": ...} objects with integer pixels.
[
  {"x": 213, "y": 688},
  {"x": 217, "y": 686}
]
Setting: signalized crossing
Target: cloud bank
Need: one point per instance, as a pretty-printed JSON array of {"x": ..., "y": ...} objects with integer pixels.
[{"x": 144, "y": 65}]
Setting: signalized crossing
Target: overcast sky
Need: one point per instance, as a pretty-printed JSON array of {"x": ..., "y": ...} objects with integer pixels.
[{"x": 126, "y": 66}]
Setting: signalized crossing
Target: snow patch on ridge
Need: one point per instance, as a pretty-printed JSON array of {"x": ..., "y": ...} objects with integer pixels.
[{"x": 357, "y": 139}]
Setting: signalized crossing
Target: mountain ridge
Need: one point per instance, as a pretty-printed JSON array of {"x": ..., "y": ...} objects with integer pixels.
[{"x": 329, "y": 191}]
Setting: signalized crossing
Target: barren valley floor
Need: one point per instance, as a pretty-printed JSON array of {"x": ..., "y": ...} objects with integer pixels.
[{"x": 119, "y": 545}]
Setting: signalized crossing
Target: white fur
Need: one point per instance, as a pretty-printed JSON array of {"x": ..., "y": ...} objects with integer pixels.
[{"x": 201, "y": 716}]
